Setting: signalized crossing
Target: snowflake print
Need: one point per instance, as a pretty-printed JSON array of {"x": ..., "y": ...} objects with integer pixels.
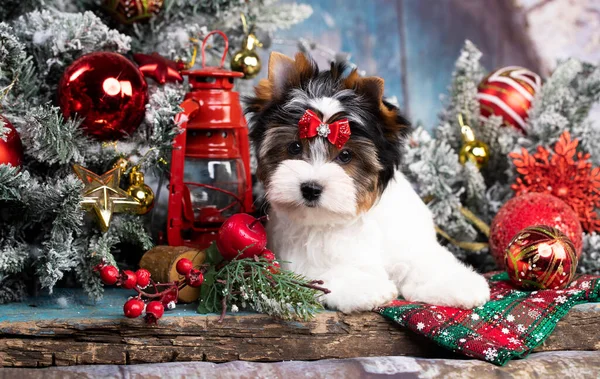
[
  {"x": 538, "y": 336},
  {"x": 514, "y": 341},
  {"x": 534, "y": 313},
  {"x": 505, "y": 330},
  {"x": 500, "y": 297},
  {"x": 474, "y": 317},
  {"x": 537, "y": 300},
  {"x": 510, "y": 318},
  {"x": 420, "y": 326},
  {"x": 561, "y": 299},
  {"x": 496, "y": 317},
  {"x": 462, "y": 340},
  {"x": 585, "y": 285},
  {"x": 520, "y": 328},
  {"x": 490, "y": 353},
  {"x": 573, "y": 292}
]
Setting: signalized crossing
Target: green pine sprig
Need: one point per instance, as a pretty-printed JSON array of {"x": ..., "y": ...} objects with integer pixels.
[{"x": 248, "y": 284}]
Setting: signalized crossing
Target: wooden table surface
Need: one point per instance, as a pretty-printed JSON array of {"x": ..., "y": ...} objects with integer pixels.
[{"x": 45, "y": 332}]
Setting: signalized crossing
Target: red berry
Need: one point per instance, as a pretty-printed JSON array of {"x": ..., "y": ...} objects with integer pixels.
[
  {"x": 143, "y": 277},
  {"x": 154, "y": 311},
  {"x": 133, "y": 308},
  {"x": 109, "y": 275},
  {"x": 195, "y": 278},
  {"x": 184, "y": 266},
  {"x": 268, "y": 255},
  {"x": 128, "y": 279},
  {"x": 241, "y": 232},
  {"x": 274, "y": 267},
  {"x": 169, "y": 297}
]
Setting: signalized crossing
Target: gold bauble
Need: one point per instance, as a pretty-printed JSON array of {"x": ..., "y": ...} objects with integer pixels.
[
  {"x": 144, "y": 195},
  {"x": 140, "y": 191},
  {"x": 247, "y": 62},
  {"x": 475, "y": 151},
  {"x": 247, "y": 59}
]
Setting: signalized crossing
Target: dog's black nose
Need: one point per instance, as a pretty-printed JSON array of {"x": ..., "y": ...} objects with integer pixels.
[{"x": 311, "y": 191}]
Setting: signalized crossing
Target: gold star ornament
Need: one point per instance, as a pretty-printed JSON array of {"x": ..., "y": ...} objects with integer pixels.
[{"x": 103, "y": 195}]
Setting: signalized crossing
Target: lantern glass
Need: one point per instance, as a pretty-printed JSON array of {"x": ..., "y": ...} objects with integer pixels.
[{"x": 210, "y": 204}]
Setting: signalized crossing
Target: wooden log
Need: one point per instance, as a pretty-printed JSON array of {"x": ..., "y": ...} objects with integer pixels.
[
  {"x": 100, "y": 335},
  {"x": 39, "y": 333},
  {"x": 161, "y": 261}
]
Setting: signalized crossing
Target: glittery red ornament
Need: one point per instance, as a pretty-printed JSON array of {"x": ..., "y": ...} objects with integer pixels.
[
  {"x": 541, "y": 257},
  {"x": 11, "y": 150},
  {"x": 508, "y": 92},
  {"x": 564, "y": 173},
  {"x": 108, "y": 91},
  {"x": 529, "y": 210}
]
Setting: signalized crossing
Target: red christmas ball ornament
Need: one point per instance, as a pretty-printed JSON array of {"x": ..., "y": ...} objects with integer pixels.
[
  {"x": 268, "y": 255},
  {"x": 154, "y": 311},
  {"x": 133, "y": 308},
  {"x": 241, "y": 233},
  {"x": 541, "y": 257},
  {"x": 532, "y": 209},
  {"x": 128, "y": 279},
  {"x": 184, "y": 266},
  {"x": 108, "y": 91},
  {"x": 109, "y": 275},
  {"x": 508, "y": 92},
  {"x": 143, "y": 277},
  {"x": 195, "y": 278},
  {"x": 11, "y": 149}
]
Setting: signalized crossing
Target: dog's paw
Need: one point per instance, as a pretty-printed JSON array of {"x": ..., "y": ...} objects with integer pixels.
[
  {"x": 360, "y": 295},
  {"x": 467, "y": 290}
]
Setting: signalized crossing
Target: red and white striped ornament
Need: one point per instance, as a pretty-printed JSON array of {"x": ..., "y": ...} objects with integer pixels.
[{"x": 508, "y": 92}]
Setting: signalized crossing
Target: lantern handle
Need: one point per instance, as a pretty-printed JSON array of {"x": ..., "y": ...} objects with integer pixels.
[{"x": 224, "y": 52}]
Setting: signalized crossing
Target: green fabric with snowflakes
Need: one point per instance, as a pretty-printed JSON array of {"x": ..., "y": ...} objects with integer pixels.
[{"x": 510, "y": 325}]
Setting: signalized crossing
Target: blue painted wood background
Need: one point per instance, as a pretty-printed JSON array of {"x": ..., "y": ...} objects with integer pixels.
[{"x": 413, "y": 44}]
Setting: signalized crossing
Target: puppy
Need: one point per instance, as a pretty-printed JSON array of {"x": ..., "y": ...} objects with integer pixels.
[{"x": 329, "y": 150}]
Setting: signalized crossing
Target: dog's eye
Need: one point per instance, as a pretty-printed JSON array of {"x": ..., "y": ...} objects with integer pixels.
[
  {"x": 344, "y": 156},
  {"x": 294, "y": 148}
]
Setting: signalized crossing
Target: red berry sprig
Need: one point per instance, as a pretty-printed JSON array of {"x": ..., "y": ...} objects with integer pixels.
[{"x": 165, "y": 294}]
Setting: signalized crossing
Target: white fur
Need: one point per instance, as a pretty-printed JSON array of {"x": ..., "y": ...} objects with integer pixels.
[
  {"x": 328, "y": 106},
  {"x": 365, "y": 260},
  {"x": 338, "y": 200}
]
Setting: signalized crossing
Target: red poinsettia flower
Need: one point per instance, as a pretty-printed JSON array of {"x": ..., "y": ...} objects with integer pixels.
[{"x": 564, "y": 173}]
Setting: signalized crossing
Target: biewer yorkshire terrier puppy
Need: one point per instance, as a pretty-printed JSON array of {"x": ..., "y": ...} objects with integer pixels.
[{"x": 329, "y": 150}]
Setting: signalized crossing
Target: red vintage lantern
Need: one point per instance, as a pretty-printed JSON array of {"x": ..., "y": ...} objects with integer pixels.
[{"x": 210, "y": 164}]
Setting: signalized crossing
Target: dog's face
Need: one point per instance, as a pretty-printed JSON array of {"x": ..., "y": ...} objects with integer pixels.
[{"x": 314, "y": 179}]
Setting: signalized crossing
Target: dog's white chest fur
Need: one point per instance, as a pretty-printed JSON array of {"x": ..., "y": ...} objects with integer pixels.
[{"x": 389, "y": 250}]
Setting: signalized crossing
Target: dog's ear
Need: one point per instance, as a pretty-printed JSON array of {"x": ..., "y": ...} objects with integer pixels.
[
  {"x": 395, "y": 126},
  {"x": 371, "y": 86},
  {"x": 283, "y": 73}
]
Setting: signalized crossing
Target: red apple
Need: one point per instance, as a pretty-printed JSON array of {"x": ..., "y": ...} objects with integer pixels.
[{"x": 241, "y": 233}]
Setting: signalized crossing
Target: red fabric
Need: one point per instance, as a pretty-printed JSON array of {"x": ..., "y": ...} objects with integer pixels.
[{"x": 510, "y": 325}]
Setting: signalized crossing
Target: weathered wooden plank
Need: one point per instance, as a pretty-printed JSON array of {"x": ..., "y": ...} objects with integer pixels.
[{"x": 98, "y": 334}]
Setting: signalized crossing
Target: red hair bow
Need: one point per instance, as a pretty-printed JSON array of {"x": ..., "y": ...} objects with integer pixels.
[{"x": 310, "y": 125}]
